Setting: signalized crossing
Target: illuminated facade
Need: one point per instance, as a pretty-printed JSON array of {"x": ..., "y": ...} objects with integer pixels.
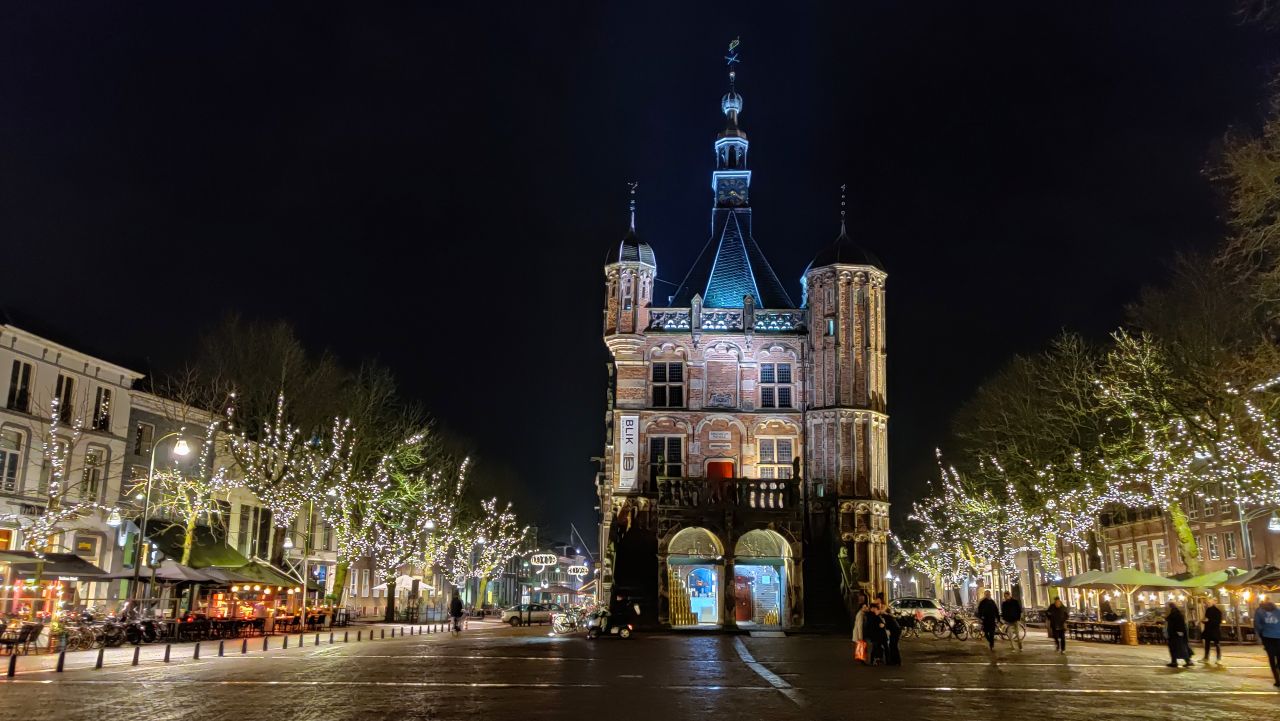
[{"x": 744, "y": 479}]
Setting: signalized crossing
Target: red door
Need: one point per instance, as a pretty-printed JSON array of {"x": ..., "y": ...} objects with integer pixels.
[
  {"x": 719, "y": 470},
  {"x": 742, "y": 600}
]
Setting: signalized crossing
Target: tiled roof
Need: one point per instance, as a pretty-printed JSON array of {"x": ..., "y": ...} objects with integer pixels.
[{"x": 730, "y": 267}]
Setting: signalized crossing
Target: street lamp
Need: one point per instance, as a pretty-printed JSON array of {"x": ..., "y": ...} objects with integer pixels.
[{"x": 180, "y": 449}]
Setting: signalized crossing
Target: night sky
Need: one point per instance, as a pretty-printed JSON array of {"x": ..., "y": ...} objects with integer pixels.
[{"x": 436, "y": 187}]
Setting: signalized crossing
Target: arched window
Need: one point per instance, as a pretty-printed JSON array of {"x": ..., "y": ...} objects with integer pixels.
[
  {"x": 697, "y": 542},
  {"x": 762, "y": 543},
  {"x": 11, "y": 441}
]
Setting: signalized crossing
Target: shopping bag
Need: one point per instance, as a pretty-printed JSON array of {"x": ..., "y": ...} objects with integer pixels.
[{"x": 860, "y": 651}]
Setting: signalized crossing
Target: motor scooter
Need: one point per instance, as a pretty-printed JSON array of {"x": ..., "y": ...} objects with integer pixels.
[{"x": 604, "y": 623}]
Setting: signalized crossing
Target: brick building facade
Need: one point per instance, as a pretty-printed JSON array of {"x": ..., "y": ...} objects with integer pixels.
[{"x": 744, "y": 478}]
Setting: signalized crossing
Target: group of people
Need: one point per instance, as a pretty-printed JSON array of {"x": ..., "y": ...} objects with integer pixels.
[
  {"x": 876, "y": 633},
  {"x": 880, "y": 631}
]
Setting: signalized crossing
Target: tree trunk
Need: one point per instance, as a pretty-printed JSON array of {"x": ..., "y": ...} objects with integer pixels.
[
  {"x": 1185, "y": 538},
  {"x": 484, "y": 585},
  {"x": 390, "y": 615},
  {"x": 188, "y": 540},
  {"x": 340, "y": 581}
]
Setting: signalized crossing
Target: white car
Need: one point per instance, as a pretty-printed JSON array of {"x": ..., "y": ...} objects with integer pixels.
[
  {"x": 529, "y": 613},
  {"x": 928, "y": 607}
]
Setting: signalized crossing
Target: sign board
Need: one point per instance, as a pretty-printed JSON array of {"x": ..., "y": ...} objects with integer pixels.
[
  {"x": 86, "y": 545},
  {"x": 720, "y": 436},
  {"x": 720, "y": 446},
  {"x": 629, "y": 453}
]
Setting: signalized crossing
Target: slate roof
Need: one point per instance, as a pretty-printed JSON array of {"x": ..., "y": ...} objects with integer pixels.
[
  {"x": 730, "y": 267},
  {"x": 631, "y": 250},
  {"x": 844, "y": 252}
]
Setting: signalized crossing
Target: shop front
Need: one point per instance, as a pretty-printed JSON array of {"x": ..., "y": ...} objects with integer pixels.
[
  {"x": 761, "y": 571},
  {"x": 695, "y": 568}
]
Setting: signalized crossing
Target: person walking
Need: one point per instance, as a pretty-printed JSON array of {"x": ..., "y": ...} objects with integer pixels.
[
  {"x": 1057, "y": 617},
  {"x": 1212, "y": 631},
  {"x": 877, "y": 635},
  {"x": 1175, "y": 630},
  {"x": 455, "y": 612},
  {"x": 1011, "y": 612},
  {"x": 892, "y": 656},
  {"x": 1266, "y": 624},
  {"x": 989, "y": 613}
]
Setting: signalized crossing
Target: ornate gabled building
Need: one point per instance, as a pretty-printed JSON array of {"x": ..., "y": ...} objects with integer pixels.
[{"x": 744, "y": 478}]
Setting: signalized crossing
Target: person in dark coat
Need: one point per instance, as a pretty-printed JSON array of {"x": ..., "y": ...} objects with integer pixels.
[
  {"x": 894, "y": 630},
  {"x": 1011, "y": 612},
  {"x": 989, "y": 613},
  {"x": 875, "y": 632},
  {"x": 1212, "y": 633},
  {"x": 1057, "y": 616},
  {"x": 1175, "y": 629}
]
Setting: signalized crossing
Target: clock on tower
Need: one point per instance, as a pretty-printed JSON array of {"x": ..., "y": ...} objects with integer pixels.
[{"x": 731, "y": 191}]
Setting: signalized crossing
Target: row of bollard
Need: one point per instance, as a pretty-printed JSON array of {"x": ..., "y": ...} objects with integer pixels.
[{"x": 244, "y": 646}]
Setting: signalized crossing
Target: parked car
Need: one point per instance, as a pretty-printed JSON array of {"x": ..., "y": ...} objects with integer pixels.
[
  {"x": 530, "y": 613},
  {"x": 928, "y": 607}
]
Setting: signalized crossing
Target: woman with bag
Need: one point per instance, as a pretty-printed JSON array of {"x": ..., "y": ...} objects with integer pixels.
[
  {"x": 1175, "y": 629},
  {"x": 859, "y": 640}
]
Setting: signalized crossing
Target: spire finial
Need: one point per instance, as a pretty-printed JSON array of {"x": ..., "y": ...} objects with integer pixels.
[
  {"x": 732, "y": 58},
  {"x": 633, "y": 185},
  {"x": 843, "y": 187}
]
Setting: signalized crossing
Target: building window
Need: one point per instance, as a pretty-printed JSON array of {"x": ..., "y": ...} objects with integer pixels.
[
  {"x": 95, "y": 463},
  {"x": 10, "y": 458},
  {"x": 1199, "y": 548},
  {"x": 326, "y": 536},
  {"x": 355, "y": 581},
  {"x": 1162, "y": 557},
  {"x": 1252, "y": 549},
  {"x": 668, "y": 385},
  {"x": 1146, "y": 558},
  {"x": 666, "y": 457},
  {"x": 1130, "y": 560},
  {"x": 1208, "y": 508},
  {"x": 364, "y": 582},
  {"x": 831, "y": 327},
  {"x": 142, "y": 438},
  {"x": 63, "y": 455},
  {"x": 20, "y": 387},
  {"x": 775, "y": 457},
  {"x": 1229, "y": 544},
  {"x": 102, "y": 410},
  {"x": 1193, "y": 508},
  {"x": 1213, "y": 547},
  {"x": 775, "y": 385},
  {"x": 627, "y": 290},
  {"x": 65, "y": 393},
  {"x": 1115, "y": 558}
]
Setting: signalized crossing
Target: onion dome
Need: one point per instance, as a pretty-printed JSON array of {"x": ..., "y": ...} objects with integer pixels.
[{"x": 731, "y": 103}]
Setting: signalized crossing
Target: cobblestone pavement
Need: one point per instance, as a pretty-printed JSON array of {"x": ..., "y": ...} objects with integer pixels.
[{"x": 528, "y": 674}]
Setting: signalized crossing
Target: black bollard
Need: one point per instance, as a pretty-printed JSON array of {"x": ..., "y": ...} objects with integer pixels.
[
  {"x": 331, "y": 638},
  {"x": 345, "y": 636},
  {"x": 358, "y": 635},
  {"x": 167, "y": 647},
  {"x": 137, "y": 651},
  {"x": 301, "y": 638},
  {"x": 62, "y": 659},
  {"x": 265, "y": 638},
  {"x": 244, "y": 647},
  {"x": 317, "y": 643},
  {"x": 98, "y": 663},
  {"x": 382, "y": 633},
  {"x": 196, "y": 655},
  {"x": 13, "y": 664},
  {"x": 286, "y": 642},
  {"x": 221, "y": 650}
]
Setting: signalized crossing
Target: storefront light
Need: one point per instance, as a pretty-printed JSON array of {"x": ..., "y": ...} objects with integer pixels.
[
  {"x": 235, "y": 589},
  {"x": 256, "y": 587}
]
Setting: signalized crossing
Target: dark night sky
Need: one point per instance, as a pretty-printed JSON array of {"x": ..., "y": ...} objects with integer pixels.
[{"x": 436, "y": 186}]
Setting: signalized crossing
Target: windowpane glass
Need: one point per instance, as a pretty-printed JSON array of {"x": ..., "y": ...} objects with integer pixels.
[
  {"x": 766, "y": 397},
  {"x": 659, "y": 372},
  {"x": 675, "y": 373},
  {"x": 766, "y": 450},
  {"x": 784, "y": 396},
  {"x": 784, "y": 372},
  {"x": 675, "y": 396},
  {"x": 784, "y": 450},
  {"x": 766, "y": 373},
  {"x": 660, "y": 396}
]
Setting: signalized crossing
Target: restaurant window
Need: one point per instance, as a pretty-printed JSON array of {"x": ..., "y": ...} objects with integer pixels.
[
  {"x": 1229, "y": 544},
  {"x": 102, "y": 409},
  {"x": 666, "y": 457},
  {"x": 1213, "y": 547},
  {"x": 10, "y": 459},
  {"x": 668, "y": 385},
  {"x": 775, "y": 457},
  {"x": 95, "y": 465},
  {"x": 775, "y": 385},
  {"x": 6, "y": 539},
  {"x": 65, "y": 394},
  {"x": 142, "y": 437},
  {"x": 20, "y": 387}
]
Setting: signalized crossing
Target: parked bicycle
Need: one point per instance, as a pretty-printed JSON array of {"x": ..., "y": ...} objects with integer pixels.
[{"x": 953, "y": 626}]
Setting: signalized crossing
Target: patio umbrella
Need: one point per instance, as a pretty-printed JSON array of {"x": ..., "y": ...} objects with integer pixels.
[
  {"x": 1130, "y": 580},
  {"x": 171, "y": 570},
  {"x": 1077, "y": 580},
  {"x": 1213, "y": 579},
  {"x": 1267, "y": 577}
]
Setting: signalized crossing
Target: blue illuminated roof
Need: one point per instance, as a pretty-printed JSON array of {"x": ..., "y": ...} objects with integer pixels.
[{"x": 730, "y": 267}]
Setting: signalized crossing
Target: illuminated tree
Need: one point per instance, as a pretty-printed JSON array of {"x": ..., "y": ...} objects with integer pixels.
[{"x": 190, "y": 496}]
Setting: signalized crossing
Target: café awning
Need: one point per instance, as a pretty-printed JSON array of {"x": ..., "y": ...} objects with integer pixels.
[
  {"x": 26, "y": 563},
  {"x": 206, "y": 548}
]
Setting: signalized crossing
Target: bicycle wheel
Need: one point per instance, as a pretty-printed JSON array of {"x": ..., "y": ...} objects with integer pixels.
[
  {"x": 942, "y": 629},
  {"x": 962, "y": 631},
  {"x": 927, "y": 623}
]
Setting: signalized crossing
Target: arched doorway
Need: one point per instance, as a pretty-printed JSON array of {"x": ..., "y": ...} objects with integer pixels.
[
  {"x": 636, "y": 570},
  {"x": 761, "y": 570},
  {"x": 695, "y": 567}
]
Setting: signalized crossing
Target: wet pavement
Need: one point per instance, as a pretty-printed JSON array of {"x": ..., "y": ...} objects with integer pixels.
[{"x": 528, "y": 674}]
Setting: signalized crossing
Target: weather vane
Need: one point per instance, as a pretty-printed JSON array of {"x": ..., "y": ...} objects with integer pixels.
[
  {"x": 633, "y": 185},
  {"x": 732, "y": 57}
]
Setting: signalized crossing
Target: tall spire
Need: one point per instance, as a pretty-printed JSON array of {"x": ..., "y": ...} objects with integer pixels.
[
  {"x": 843, "y": 188},
  {"x": 633, "y": 185}
]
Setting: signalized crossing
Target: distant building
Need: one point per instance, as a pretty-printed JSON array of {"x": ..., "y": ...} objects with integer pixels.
[{"x": 730, "y": 406}]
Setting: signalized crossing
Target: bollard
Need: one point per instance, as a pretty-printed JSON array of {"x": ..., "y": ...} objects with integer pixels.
[
  {"x": 382, "y": 633},
  {"x": 137, "y": 650},
  {"x": 317, "y": 643},
  {"x": 331, "y": 638},
  {"x": 244, "y": 647},
  {"x": 345, "y": 636},
  {"x": 393, "y": 633},
  {"x": 221, "y": 650},
  {"x": 98, "y": 663},
  {"x": 358, "y": 635},
  {"x": 13, "y": 664},
  {"x": 286, "y": 642},
  {"x": 301, "y": 640},
  {"x": 264, "y": 641},
  {"x": 196, "y": 655},
  {"x": 166, "y": 652},
  {"x": 62, "y": 659}
]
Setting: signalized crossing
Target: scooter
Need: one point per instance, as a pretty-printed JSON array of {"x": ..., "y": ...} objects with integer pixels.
[{"x": 602, "y": 623}]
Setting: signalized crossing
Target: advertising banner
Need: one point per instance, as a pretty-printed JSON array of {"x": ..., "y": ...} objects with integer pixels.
[{"x": 628, "y": 453}]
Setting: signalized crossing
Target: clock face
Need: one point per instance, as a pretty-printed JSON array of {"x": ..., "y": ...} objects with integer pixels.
[{"x": 732, "y": 191}]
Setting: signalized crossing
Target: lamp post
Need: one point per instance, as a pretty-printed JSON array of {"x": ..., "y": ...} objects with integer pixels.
[{"x": 180, "y": 449}]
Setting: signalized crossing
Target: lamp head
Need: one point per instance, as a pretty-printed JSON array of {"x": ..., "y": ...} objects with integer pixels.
[
  {"x": 181, "y": 448},
  {"x": 288, "y": 543},
  {"x": 114, "y": 519}
]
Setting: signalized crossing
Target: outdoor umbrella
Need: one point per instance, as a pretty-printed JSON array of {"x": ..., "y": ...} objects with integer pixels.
[
  {"x": 1077, "y": 580},
  {"x": 1213, "y": 579},
  {"x": 1129, "y": 581},
  {"x": 1267, "y": 577}
]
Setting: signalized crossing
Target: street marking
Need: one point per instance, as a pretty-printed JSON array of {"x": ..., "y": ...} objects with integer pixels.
[
  {"x": 1101, "y": 691},
  {"x": 389, "y": 684},
  {"x": 774, "y": 680},
  {"x": 1064, "y": 663}
]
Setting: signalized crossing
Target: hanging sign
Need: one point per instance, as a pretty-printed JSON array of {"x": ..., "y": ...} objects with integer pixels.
[{"x": 630, "y": 453}]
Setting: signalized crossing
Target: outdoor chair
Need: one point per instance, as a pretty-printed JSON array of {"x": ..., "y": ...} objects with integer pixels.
[{"x": 15, "y": 639}]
